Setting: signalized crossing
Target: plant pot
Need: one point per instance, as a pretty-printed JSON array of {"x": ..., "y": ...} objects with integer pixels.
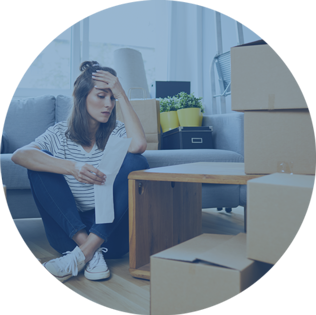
[
  {"x": 189, "y": 117},
  {"x": 200, "y": 119},
  {"x": 169, "y": 120}
]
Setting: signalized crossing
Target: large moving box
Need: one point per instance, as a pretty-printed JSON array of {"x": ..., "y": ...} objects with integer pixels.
[
  {"x": 200, "y": 273},
  {"x": 148, "y": 112},
  {"x": 21, "y": 286},
  {"x": 276, "y": 207},
  {"x": 261, "y": 81},
  {"x": 291, "y": 292},
  {"x": 279, "y": 141},
  {"x": 4, "y": 236}
]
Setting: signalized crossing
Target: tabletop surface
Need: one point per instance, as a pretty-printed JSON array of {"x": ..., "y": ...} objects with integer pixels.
[{"x": 202, "y": 172}]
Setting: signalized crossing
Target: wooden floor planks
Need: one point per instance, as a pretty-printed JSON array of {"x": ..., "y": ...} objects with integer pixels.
[{"x": 121, "y": 291}]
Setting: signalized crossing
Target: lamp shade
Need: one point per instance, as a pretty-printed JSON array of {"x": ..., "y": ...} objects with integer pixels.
[{"x": 130, "y": 69}]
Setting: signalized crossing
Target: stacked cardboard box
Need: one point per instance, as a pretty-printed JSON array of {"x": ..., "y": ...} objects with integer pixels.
[
  {"x": 279, "y": 134},
  {"x": 148, "y": 112},
  {"x": 200, "y": 273},
  {"x": 276, "y": 207},
  {"x": 20, "y": 276},
  {"x": 279, "y": 141}
]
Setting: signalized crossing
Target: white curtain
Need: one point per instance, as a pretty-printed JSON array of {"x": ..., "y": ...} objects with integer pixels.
[{"x": 185, "y": 57}]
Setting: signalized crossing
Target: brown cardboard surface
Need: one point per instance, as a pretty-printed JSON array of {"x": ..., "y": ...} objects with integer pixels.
[
  {"x": 275, "y": 137},
  {"x": 276, "y": 207},
  {"x": 261, "y": 81},
  {"x": 193, "y": 248},
  {"x": 230, "y": 254},
  {"x": 153, "y": 146},
  {"x": 4, "y": 236},
  {"x": 148, "y": 112},
  {"x": 290, "y": 295},
  {"x": 21, "y": 286},
  {"x": 181, "y": 282}
]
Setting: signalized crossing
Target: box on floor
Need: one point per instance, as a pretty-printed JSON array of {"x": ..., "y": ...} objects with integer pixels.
[
  {"x": 276, "y": 207},
  {"x": 21, "y": 286},
  {"x": 4, "y": 236},
  {"x": 291, "y": 292},
  {"x": 148, "y": 112},
  {"x": 276, "y": 139},
  {"x": 261, "y": 81},
  {"x": 200, "y": 273}
]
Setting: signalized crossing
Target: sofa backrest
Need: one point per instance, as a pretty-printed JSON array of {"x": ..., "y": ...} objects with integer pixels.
[
  {"x": 27, "y": 119},
  {"x": 63, "y": 107}
]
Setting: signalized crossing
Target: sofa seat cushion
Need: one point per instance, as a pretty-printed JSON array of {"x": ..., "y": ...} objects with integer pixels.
[
  {"x": 13, "y": 176},
  {"x": 27, "y": 119},
  {"x": 160, "y": 158}
]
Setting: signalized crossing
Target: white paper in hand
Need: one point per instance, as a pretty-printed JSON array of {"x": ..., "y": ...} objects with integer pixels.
[{"x": 110, "y": 164}]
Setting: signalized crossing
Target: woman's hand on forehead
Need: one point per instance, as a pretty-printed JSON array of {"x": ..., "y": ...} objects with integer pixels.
[{"x": 106, "y": 80}]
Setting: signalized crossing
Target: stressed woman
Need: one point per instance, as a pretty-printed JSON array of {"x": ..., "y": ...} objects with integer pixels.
[{"x": 62, "y": 167}]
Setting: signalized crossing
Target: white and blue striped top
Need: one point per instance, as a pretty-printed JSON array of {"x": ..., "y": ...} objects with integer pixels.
[{"x": 55, "y": 141}]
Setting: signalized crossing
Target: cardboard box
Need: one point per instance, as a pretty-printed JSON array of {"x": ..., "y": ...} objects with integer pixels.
[
  {"x": 291, "y": 292},
  {"x": 200, "y": 273},
  {"x": 148, "y": 112},
  {"x": 276, "y": 207},
  {"x": 21, "y": 286},
  {"x": 4, "y": 236},
  {"x": 261, "y": 81},
  {"x": 279, "y": 141}
]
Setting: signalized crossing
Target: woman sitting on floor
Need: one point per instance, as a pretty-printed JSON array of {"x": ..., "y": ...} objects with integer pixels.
[{"x": 62, "y": 167}]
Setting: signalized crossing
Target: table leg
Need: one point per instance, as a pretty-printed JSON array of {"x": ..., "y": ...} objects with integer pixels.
[{"x": 161, "y": 215}]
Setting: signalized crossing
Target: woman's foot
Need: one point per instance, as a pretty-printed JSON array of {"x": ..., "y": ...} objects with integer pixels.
[
  {"x": 67, "y": 266},
  {"x": 97, "y": 268}
]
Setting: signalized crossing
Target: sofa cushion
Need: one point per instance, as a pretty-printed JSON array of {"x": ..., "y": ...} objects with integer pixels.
[
  {"x": 159, "y": 158},
  {"x": 63, "y": 107},
  {"x": 14, "y": 176},
  {"x": 27, "y": 119},
  {"x": 4, "y": 143}
]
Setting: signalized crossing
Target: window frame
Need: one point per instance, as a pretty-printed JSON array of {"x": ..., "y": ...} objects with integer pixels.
[{"x": 75, "y": 53}]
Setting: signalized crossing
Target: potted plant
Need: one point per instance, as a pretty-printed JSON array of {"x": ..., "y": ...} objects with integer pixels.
[
  {"x": 168, "y": 113},
  {"x": 190, "y": 110}
]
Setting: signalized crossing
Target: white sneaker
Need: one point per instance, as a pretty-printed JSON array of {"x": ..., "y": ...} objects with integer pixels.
[
  {"x": 67, "y": 266},
  {"x": 97, "y": 268}
]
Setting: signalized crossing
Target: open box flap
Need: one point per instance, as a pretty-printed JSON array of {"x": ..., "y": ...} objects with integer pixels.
[
  {"x": 231, "y": 254},
  {"x": 291, "y": 274},
  {"x": 189, "y": 250}
]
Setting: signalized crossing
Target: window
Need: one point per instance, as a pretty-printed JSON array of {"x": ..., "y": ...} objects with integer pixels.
[
  {"x": 37, "y": 47},
  {"x": 139, "y": 25}
]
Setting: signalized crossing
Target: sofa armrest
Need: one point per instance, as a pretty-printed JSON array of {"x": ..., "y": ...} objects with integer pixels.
[
  {"x": 4, "y": 143},
  {"x": 228, "y": 131}
]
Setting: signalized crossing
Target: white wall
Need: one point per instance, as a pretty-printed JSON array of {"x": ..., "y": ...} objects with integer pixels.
[{"x": 277, "y": 19}]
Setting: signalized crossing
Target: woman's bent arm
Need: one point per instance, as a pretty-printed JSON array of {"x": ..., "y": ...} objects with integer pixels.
[
  {"x": 133, "y": 126},
  {"x": 32, "y": 158}
]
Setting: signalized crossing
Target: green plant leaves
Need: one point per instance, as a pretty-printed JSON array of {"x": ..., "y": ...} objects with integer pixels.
[{"x": 181, "y": 100}]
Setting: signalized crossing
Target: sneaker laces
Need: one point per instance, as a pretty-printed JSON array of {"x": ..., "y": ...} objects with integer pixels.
[
  {"x": 68, "y": 263},
  {"x": 98, "y": 258}
]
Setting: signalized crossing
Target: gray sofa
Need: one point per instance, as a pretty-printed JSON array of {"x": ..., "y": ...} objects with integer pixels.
[{"x": 28, "y": 118}]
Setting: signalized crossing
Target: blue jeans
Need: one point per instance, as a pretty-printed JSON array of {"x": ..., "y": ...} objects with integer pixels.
[{"x": 62, "y": 220}]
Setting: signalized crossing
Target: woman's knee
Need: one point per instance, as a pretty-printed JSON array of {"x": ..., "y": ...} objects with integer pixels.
[
  {"x": 30, "y": 173},
  {"x": 135, "y": 162}
]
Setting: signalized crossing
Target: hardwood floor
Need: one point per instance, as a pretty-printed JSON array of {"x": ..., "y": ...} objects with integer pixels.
[{"x": 121, "y": 291}]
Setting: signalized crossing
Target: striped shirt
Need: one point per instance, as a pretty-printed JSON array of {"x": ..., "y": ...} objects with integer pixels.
[{"x": 55, "y": 141}]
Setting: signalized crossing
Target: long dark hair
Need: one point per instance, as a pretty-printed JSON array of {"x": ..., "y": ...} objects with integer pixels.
[{"x": 78, "y": 122}]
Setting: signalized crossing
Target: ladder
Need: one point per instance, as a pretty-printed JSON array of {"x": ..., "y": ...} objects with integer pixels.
[{"x": 222, "y": 63}]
